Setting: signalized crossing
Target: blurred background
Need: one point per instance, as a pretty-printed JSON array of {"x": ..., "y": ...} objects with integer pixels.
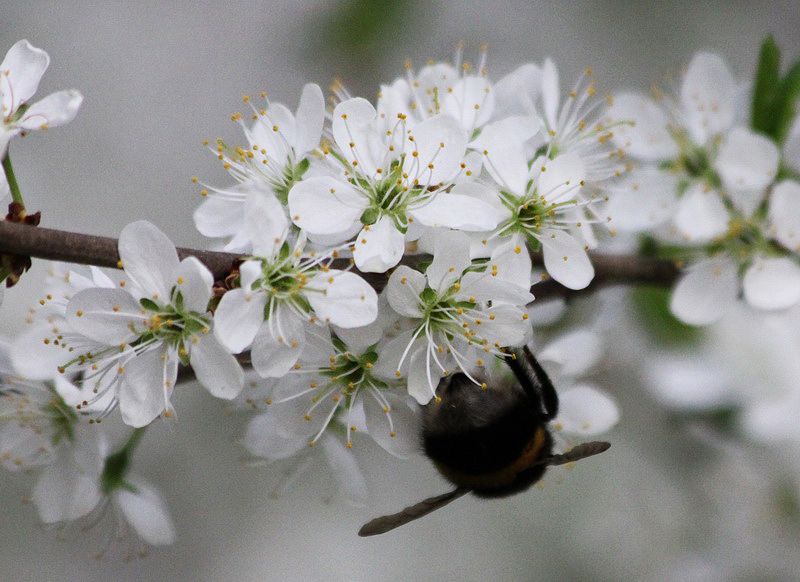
[{"x": 687, "y": 492}]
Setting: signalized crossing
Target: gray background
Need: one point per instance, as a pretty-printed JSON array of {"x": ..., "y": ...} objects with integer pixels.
[{"x": 159, "y": 77}]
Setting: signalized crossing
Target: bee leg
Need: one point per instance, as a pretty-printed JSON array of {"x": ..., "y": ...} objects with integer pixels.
[{"x": 534, "y": 380}]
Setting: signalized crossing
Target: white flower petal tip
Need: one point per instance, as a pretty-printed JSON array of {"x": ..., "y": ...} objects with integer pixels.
[
  {"x": 705, "y": 292},
  {"x": 566, "y": 259},
  {"x": 772, "y": 284},
  {"x": 586, "y": 411}
]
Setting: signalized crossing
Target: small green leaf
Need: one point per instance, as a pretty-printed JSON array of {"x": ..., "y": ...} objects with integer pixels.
[
  {"x": 370, "y": 216},
  {"x": 370, "y": 357},
  {"x": 428, "y": 295},
  {"x": 340, "y": 346},
  {"x": 767, "y": 85},
  {"x": 301, "y": 168},
  {"x": 785, "y": 109},
  {"x": 149, "y": 304}
]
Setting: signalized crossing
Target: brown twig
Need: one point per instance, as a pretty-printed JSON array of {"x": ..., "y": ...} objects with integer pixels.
[{"x": 86, "y": 249}]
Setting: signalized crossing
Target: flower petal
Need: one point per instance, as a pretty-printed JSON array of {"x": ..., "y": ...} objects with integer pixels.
[
  {"x": 403, "y": 291},
  {"x": 278, "y": 343},
  {"x": 378, "y": 246},
  {"x": 325, "y": 205},
  {"x": 772, "y": 283},
  {"x": 501, "y": 144},
  {"x": 353, "y": 128},
  {"x": 64, "y": 491},
  {"x": 267, "y": 438},
  {"x": 423, "y": 375},
  {"x": 550, "y": 93},
  {"x": 25, "y": 65},
  {"x": 586, "y": 411},
  {"x": 344, "y": 469},
  {"x": 642, "y": 128},
  {"x": 458, "y": 211},
  {"x": 194, "y": 281},
  {"x": 566, "y": 260},
  {"x": 215, "y": 368},
  {"x": 450, "y": 259},
  {"x": 395, "y": 427},
  {"x": 309, "y": 119},
  {"x": 266, "y": 222},
  {"x": 708, "y": 97},
  {"x": 558, "y": 180},
  {"x": 145, "y": 510},
  {"x": 471, "y": 102},
  {"x": 516, "y": 93},
  {"x": 645, "y": 199},
  {"x": 223, "y": 216},
  {"x": 149, "y": 259},
  {"x": 345, "y": 299},
  {"x": 108, "y": 316},
  {"x": 576, "y": 352},
  {"x": 701, "y": 214},
  {"x": 238, "y": 318},
  {"x": 784, "y": 214},
  {"x": 747, "y": 163},
  {"x": 706, "y": 291},
  {"x": 56, "y": 109},
  {"x": 148, "y": 380},
  {"x": 436, "y": 152}
]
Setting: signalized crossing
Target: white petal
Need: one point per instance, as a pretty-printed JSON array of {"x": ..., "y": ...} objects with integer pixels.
[
  {"x": 645, "y": 199},
  {"x": 501, "y": 144},
  {"x": 747, "y": 163},
  {"x": 275, "y": 132},
  {"x": 324, "y": 205},
  {"x": 586, "y": 411},
  {"x": 791, "y": 147},
  {"x": 358, "y": 339},
  {"x": 450, "y": 259},
  {"x": 147, "y": 381},
  {"x": 701, "y": 214},
  {"x": 507, "y": 325},
  {"x": 575, "y": 352},
  {"x": 269, "y": 439},
  {"x": 403, "y": 291},
  {"x": 457, "y": 211},
  {"x": 379, "y": 246},
  {"x": 784, "y": 214},
  {"x": 108, "y": 316},
  {"x": 516, "y": 93},
  {"x": 705, "y": 292},
  {"x": 266, "y": 223},
  {"x": 221, "y": 216},
  {"x": 342, "y": 298},
  {"x": 33, "y": 358},
  {"x": 401, "y": 436},
  {"x": 147, "y": 513},
  {"x": 437, "y": 151},
  {"x": 550, "y": 91},
  {"x": 249, "y": 273},
  {"x": 238, "y": 318},
  {"x": 708, "y": 96},
  {"x": 354, "y": 123},
  {"x": 149, "y": 259},
  {"x": 566, "y": 260},
  {"x": 309, "y": 119},
  {"x": 471, "y": 102},
  {"x": 25, "y": 65},
  {"x": 561, "y": 178},
  {"x": 215, "y": 367},
  {"x": 54, "y": 110},
  {"x": 642, "y": 128},
  {"x": 772, "y": 283},
  {"x": 278, "y": 343},
  {"x": 345, "y": 470},
  {"x": 423, "y": 376},
  {"x": 194, "y": 281},
  {"x": 64, "y": 491}
]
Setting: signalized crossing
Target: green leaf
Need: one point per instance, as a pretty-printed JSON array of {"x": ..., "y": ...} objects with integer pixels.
[
  {"x": 370, "y": 216},
  {"x": 767, "y": 85},
  {"x": 149, "y": 304},
  {"x": 301, "y": 168},
  {"x": 651, "y": 308},
  {"x": 340, "y": 346},
  {"x": 428, "y": 295},
  {"x": 785, "y": 109}
]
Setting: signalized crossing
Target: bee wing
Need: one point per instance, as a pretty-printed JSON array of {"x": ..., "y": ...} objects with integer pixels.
[
  {"x": 578, "y": 452},
  {"x": 386, "y": 523}
]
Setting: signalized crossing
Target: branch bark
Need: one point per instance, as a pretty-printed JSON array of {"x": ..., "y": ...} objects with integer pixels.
[{"x": 85, "y": 249}]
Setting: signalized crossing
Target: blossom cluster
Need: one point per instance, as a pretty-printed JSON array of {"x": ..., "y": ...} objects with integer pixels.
[
  {"x": 437, "y": 194},
  {"x": 715, "y": 187}
]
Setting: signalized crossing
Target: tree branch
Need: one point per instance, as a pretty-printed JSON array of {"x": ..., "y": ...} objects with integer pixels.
[{"x": 85, "y": 249}]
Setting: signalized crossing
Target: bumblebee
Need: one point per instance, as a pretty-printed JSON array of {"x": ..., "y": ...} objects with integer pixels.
[{"x": 491, "y": 443}]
